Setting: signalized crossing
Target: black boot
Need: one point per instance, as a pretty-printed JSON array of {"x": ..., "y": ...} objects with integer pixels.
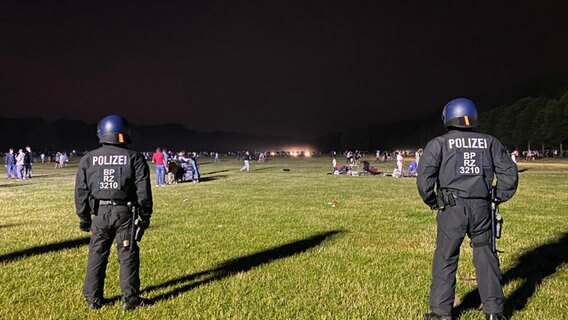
[
  {"x": 132, "y": 303},
  {"x": 96, "y": 304},
  {"x": 433, "y": 316},
  {"x": 495, "y": 316}
]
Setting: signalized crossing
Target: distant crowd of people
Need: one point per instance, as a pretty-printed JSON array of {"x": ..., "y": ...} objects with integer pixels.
[
  {"x": 353, "y": 161},
  {"x": 19, "y": 165},
  {"x": 172, "y": 168},
  {"x": 529, "y": 155}
]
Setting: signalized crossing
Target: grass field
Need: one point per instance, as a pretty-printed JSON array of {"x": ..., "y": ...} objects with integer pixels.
[{"x": 268, "y": 245}]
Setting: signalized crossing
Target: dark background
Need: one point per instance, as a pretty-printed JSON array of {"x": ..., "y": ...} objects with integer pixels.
[{"x": 285, "y": 68}]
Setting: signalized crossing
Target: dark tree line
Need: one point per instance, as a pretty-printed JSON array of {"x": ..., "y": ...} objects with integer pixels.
[
  {"x": 535, "y": 123},
  {"x": 529, "y": 123}
]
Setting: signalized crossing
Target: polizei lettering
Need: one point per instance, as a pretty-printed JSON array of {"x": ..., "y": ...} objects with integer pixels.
[
  {"x": 110, "y": 160},
  {"x": 467, "y": 143}
]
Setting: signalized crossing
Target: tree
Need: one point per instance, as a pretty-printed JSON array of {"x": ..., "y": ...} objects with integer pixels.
[
  {"x": 552, "y": 126},
  {"x": 527, "y": 110}
]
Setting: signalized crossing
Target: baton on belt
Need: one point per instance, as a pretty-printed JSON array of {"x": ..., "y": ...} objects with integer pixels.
[
  {"x": 132, "y": 208},
  {"x": 496, "y": 221}
]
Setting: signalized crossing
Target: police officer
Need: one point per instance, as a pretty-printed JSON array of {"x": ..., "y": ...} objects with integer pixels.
[
  {"x": 107, "y": 179},
  {"x": 455, "y": 177}
]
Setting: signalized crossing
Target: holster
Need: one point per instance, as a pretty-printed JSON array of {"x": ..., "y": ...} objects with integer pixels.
[
  {"x": 445, "y": 198},
  {"x": 139, "y": 233}
]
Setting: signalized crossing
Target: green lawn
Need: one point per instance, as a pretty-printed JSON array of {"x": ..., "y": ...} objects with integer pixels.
[{"x": 268, "y": 245}]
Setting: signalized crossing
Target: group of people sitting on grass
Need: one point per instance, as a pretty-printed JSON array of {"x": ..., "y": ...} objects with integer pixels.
[{"x": 370, "y": 170}]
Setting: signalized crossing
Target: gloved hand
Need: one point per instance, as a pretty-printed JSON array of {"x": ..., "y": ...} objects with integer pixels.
[
  {"x": 143, "y": 222},
  {"x": 85, "y": 226}
]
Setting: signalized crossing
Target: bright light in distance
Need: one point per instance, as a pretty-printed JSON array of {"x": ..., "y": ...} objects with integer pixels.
[{"x": 295, "y": 151}]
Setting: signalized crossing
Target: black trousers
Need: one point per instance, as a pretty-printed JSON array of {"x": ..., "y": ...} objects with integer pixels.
[
  {"x": 471, "y": 217},
  {"x": 112, "y": 223}
]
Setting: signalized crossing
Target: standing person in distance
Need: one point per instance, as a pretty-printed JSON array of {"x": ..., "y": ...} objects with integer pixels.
[
  {"x": 159, "y": 160},
  {"x": 194, "y": 167},
  {"x": 10, "y": 164},
  {"x": 20, "y": 160},
  {"x": 399, "y": 161},
  {"x": 28, "y": 160},
  {"x": 246, "y": 160},
  {"x": 455, "y": 177},
  {"x": 107, "y": 179}
]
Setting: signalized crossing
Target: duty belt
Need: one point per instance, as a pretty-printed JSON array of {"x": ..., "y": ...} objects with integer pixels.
[
  {"x": 112, "y": 202},
  {"x": 460, "y": 194},
  {"x": 455, "y": 193}
]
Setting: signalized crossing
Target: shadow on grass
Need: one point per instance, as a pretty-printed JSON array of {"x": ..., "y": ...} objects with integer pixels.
[
  {"x": 56, "y": 175},
  {"x": 532, "y": 268},
  {"x": 214, "y": 172},
  {"x": 262, "y": 168},
  {"x": 208, "y": 178},
  {"x": 52, "y": 247},
  {"x": 10, "y": 225},
  {"x": 523, "y": 170},
  {"x": 12, "y": 185},
  {"x": 235, "y": 266}
]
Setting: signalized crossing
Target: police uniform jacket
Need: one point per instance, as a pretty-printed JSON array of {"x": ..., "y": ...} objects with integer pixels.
[
  {"x": 466, "y": 162},
  {"x": 112, "y": 173}
]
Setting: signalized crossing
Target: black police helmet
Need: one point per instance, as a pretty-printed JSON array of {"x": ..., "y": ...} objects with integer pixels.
[
  {"x": 113, "y": 129},
  {"x": 460, "y": 113}
]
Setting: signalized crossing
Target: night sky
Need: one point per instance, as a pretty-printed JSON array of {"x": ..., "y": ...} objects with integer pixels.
[{"x": 301, "y": 68}]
